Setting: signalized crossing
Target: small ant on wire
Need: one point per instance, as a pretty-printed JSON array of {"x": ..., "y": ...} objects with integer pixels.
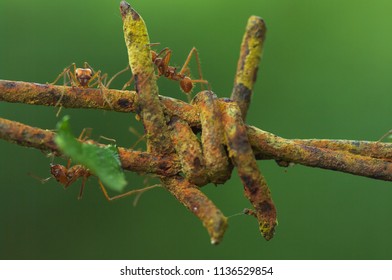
[
  {"x": 85, "y": 77},
  {"x": 162, "y": 59},
  {"x": 170, "y": 72},
  {"x": 67, "y": 175}
]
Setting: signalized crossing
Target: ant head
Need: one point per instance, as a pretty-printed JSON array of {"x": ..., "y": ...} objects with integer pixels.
[
  {"x": 59, "y": 172},
  {"x": 186, "y": 84},
  {"x": 83, "y": 75}
]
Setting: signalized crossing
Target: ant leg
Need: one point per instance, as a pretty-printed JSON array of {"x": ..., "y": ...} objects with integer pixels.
[
  {"x": 138, "y": 135},
  {"x": 82, "y": 187},
  {"x": 127, "y": 84},
  {"x": 165, "y": 51},
  {"x": 102, "y": 87},
  {"x": 184, "y": 68},
  {"x": 85, "y": 134},
  {"x": 71, "y": 79},
  {"x": 108, "y": 198},
  {"x": 385, "y": 135},
  {"x": 164, "y": 61},
  {"x": 116, "y": 75},
  {"x": 103, "y": 90},
  {"x": 108, "y": 139},
  {"x": 249, "y": 212},
  {"x": 87, "y": 65},
  {"x": 153, "y": 44},
  {"x": 63, "y": 73},
  {"x": 42, "y": 180},
  {"x": 103, "y": 78},
  {"x": 58, "y": 103}
]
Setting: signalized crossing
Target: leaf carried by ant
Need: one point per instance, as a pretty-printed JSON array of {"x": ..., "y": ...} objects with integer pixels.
[{"x": 103, "y": 162}]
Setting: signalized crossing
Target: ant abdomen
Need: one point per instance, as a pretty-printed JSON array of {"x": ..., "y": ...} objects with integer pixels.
[{"x": 186, "y": 84}]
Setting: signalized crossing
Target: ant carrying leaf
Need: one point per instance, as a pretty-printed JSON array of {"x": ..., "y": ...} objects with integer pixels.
[
  {"x": 102, "y": 162},
  {"x": 67, "y": 175}
]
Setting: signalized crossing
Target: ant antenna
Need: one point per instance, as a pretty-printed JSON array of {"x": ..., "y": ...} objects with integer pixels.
[{"x": 385, "y": 136}]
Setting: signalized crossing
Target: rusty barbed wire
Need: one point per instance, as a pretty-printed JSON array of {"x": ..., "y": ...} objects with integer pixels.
[{"x": 174, "y": 153}]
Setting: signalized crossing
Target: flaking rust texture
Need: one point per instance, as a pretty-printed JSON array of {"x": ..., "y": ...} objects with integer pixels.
[
  {"x": 189, "y": 150},
  {"x": 218, "y": 167},
  {"x": 174, "y": 152},
  {"x": 240, "y": 151},
  {"x": 27, "y": 136},
  {"x": 137, "y": 42},
  {"x": 200, "y": 205},
  {"x": 265, "y": 145},
  {"x": 338, "y": 158},
  {"x": 158, "y": 137},
  {"x": 364, "y": 148},
  {"x": 68, "y": 97},
  {"x": 41, "y": 139}
]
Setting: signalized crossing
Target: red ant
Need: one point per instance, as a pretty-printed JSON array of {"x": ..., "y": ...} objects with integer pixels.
[
  {"x": 170, "y": 72},
  {"x": 66, "y": 175},
  {"x": 81, "y": 77},
  {"x": 84, "y": 77}
]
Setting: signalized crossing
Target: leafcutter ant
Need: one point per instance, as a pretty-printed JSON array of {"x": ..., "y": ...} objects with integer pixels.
[{"x": 67, "y": 175}]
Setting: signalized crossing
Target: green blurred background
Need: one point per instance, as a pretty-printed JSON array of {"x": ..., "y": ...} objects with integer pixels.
[{"x": 326, "y": 73}]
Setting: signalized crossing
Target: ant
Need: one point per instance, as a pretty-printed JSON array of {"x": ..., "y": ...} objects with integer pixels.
[
  {"x": 81, "y": 77},
  {"x": 170, "y": 72},
  {"x": 84, "y": 77},
  {"x": 67, "y": 175}
]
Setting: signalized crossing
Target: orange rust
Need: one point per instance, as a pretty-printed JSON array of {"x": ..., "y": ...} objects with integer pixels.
[
  {"x": 218, "y": 167},
  {"x": 199, "y": 204},
  {"x": 189, "y": 150},
  {"x": 43, "y": 140},
  {"x": 240, "y": 151}
]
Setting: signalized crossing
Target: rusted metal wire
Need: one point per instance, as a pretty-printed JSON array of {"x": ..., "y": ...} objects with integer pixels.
[
  {"x": 248, "y": 63},
  {"x": 182, "y": 159},
  {"x": 265, "y": 145}
]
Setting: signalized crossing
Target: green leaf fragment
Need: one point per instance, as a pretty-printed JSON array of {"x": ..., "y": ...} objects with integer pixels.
[{"x": 103, "y": 162}]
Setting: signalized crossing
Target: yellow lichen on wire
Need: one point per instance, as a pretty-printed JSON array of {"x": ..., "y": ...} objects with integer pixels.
[
  {"x": 159, "y": 140},
  {"x": 140, "y": 61},
  {"x": 248, "y": 63},
  {"x": 137, "y": 41}
]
